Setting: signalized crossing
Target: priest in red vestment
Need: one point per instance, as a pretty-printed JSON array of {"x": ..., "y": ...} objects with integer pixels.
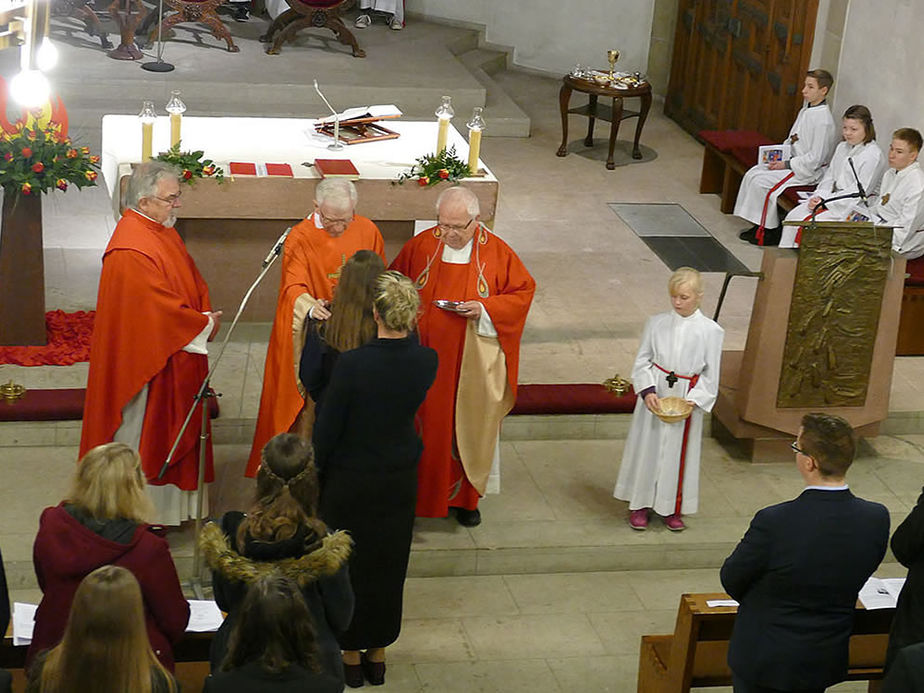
[
  {"x": 478, "y": 343},
  {"x": 314, "y": 252},
  {"x": 148, "y": 354}
]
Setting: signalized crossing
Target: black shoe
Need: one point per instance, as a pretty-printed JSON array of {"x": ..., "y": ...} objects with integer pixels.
[
  {"x": 748, "y": 235},
  {"x": 241, "y": 14},
  {"x": 771, "y": 237},
  {"x": 374, "y": 671},
  {"x": 468, "y": 518},
  {"x": 353, "y": 675}
]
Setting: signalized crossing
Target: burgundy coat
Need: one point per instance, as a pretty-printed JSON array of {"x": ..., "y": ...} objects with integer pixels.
[{"x": 66, "y": 551}]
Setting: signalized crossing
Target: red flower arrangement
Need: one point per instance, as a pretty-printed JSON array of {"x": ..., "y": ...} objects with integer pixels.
[
  {"x": 37, "y": 155},
  {"x": 191, "y": 164},
  {"x": 431, "y": 169}
]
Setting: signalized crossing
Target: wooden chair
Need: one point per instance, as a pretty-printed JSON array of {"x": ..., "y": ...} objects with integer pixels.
[
  {"x": 195, "y": 11},
  {"x": 311, "y": 13},
  {"x": 84, "y": 11}
]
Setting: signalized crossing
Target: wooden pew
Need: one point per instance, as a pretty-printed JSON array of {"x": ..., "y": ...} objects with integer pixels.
[
  {"x": 695, "y": 655},
  {"x": 191, "y": 654}
]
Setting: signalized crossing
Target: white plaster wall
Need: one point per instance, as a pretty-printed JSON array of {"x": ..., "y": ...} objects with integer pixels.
[
  {"x": 551, "y": 35},
  {"x": 880, "y": 64}
]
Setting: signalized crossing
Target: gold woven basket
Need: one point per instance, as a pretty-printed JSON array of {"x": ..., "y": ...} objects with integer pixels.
[{"x": 674, "y": 409}]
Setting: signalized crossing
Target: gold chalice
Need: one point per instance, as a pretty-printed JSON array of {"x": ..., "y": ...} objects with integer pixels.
[{"x": 612, "y": 55}]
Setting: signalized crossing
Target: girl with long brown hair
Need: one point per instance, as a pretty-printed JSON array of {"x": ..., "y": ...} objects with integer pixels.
[
  {"x": 282, "y": 534},
  {"x": 105, "y": 647},
  {"x": 350, "y": 325}
]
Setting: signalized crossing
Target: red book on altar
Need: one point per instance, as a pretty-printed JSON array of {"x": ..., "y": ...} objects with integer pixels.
[
  {"x": 336, "y": 168},
  {"x": 242, "y": 168},
  {"x": 279, "y": 170}
]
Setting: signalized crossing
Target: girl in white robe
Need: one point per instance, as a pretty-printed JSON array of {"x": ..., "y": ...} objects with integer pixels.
[
  {"x": 859, "y": 146},
  {"x": 676, "y": 347}
]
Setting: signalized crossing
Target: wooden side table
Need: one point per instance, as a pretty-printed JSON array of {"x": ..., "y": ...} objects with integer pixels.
[{"x": 592, "y": 111}]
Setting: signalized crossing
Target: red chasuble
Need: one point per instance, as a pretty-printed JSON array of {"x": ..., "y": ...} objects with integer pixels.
[
  {"x": 311, "y": 264},
  {"x": 150, "y": 305},
  {"x": 497, "y": 278}
]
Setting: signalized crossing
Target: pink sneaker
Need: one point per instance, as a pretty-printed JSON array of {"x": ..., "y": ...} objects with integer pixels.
[
  {"x": 674, "y": 523},
  {"x": 638, "y": 519}
]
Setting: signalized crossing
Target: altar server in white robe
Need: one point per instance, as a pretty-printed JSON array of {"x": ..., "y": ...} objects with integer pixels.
[
  {"x": 860, "y": 148},
  {"x": 392, "y": 9},
  {"x": 812, "y": 139},
  {"x": 679, "y": 356},
  {"x": 901, "y": 194}
]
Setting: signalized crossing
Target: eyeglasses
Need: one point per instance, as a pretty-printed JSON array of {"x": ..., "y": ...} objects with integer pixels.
[
  {"x": 330, "y": 221},
  {"x": 170, "y": 199},
  {"x": 455, "y": 227},
  {"x": 795, "y": 448}
]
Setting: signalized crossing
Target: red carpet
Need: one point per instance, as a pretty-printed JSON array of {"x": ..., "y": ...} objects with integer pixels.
[
  {"x": 580, "y": 398},
  {"x": 68, "y": 342}
]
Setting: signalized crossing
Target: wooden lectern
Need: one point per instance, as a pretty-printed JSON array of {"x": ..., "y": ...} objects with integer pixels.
[{"x": 821, "y": 338}]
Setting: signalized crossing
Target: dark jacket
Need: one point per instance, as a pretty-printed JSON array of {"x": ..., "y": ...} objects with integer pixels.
[
  {"x": 368, "y": 417},
  {"x": 796, "y": 574},
  {"x": 250, "y": 678},
  {"x": 66, "y": 551},
  {"x": 906, "y": 675},
  {"x": 318, "y": 566},
  {"x": 908, "y": 547}
]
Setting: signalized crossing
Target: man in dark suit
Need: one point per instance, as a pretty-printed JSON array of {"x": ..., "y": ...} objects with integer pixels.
[{"x": 798, "y": 569}]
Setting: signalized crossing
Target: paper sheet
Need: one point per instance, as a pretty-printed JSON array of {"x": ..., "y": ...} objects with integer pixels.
[
  {"x": 23, "y": 622},
  {"x": 712, "y": 603},
  {"x": 880, "y": 593}
]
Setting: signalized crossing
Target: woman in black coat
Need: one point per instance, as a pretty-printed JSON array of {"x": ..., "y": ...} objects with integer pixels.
[
  {"x": 273, "y": 645},
  {"x": 908, "y": 546},
  {"x": 367, "y": 450},
  {"x": 282, "y": 534}
]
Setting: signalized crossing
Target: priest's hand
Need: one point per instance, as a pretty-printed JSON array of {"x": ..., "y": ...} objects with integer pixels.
[
  {"x": 653, "y": 403},
  {"x": 469, "y": 309},
  {"x": 216, "y": 319},
  {"x": 319, "y": 311}
]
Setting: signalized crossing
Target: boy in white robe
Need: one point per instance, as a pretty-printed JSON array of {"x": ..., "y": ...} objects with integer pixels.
[
  {"x": 812, "y": 138},
  {"x": 900, "y": 196},
  {"x": 679, "y": 356},
  {"x": 859, "y": 148}
]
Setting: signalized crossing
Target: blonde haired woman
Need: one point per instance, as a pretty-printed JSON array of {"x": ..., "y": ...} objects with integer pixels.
[
  {"x": 368, "y": 448},
  {"x": 679, "y": 357},
  {"x": 105, "y": 648},
  {"x": 103, "y": 522}
]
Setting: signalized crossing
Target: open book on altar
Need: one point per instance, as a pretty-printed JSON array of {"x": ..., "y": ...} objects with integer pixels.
[{"x": 361, "y": 124}]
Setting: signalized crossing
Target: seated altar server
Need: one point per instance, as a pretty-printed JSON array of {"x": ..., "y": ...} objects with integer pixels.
[
  {"x": 859, "y": 148},
  {"x": 812, "y": 137},
  {"x": 899, "y": 204},
  {"x": 314, "y": 254},
  {"x": 148, "y": 354}
]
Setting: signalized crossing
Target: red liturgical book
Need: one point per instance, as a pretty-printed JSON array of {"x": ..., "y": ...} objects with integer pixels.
[
  {"x": 279, "y": 170},
  {"x": 336, "y": 168},
  {"x": 240, "y": 168}
]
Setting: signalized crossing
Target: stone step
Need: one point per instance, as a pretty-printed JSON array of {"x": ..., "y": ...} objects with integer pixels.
[{"x": 504, "y": 118}]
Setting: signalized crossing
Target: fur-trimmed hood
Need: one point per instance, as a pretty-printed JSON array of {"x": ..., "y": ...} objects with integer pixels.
[{"x": 328, "y": 559}]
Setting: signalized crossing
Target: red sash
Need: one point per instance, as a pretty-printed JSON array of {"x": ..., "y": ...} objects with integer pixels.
[{"x": 686, "y": 435}]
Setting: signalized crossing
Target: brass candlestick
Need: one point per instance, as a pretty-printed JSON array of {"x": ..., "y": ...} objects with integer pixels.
[
  {"x": 617, "y": 385},
  {"x": 612, "y": 55},
  {"x": 11, "y": 391}
]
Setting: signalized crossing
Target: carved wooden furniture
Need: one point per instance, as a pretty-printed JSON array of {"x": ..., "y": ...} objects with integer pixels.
[
  {"x": 911, "y": 323},
  {"x": 695, "y": 655},
  {"x": 615, "y": 115},
  {"x": 199, "y": 12},
  {"x": 127, "y": 14},
  {"x": 311, "y": 13},
  {"x": 82, "y": 10}
]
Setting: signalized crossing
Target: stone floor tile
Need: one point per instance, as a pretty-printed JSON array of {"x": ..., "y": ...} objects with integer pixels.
[
  {"x": 449, "y": 597},
  {"x": 506, "y": 676},
  {"x": 542, "y": 635},
  {"x": 662, "y": 589},
  {"x": 604, "y": 674},
  {"x": 431, "y": 640},
  {"x": 621, "y": 631},
  {"x": 572, "y": 593}
]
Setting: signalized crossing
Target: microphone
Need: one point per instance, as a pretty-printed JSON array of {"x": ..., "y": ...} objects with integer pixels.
[
  {"x": 337, "y": 144},
  {"x": 277, "y": 248},
  {"x": 859, "y": 184}
]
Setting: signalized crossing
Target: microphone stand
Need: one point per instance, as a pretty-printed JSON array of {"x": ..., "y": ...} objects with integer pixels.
[
  {"x": 337, "y": 145},
  {"x": 195, "y": 580},
  {"x": 159, "y": 65}
]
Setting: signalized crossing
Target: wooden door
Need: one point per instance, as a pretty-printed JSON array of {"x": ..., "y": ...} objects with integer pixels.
[{"x": 740, "y": 64}]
